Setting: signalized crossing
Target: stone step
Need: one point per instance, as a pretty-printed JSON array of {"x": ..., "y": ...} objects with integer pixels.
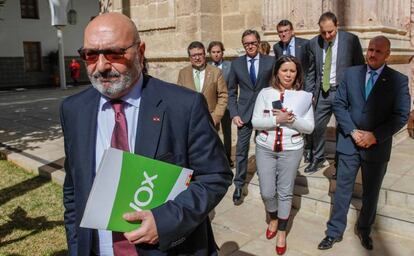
[
  {"x": 322, "y": 180},
  {"x": 389, "y": 218}
]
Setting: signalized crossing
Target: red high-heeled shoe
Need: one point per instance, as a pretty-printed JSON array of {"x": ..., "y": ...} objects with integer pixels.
[
  {"x": 281, "y": 250},
  {"x": 270, "y": 234}
]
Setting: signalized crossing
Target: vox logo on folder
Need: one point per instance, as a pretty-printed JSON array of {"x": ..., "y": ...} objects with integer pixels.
[{"x": 126, "y": 182}]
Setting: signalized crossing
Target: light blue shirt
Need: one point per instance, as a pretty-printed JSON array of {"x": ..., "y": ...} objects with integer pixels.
[
  {"x": 256, "y": 63},
  {"x": 106, "y": 123},
  {"x": 291, "y": 46},
  {"x": 375, "y": 78}
]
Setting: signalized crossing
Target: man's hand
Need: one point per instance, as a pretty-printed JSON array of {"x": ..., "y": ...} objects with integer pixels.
[
  {"x": 237, "y": 121},
  {"x": 147, "y": 233},
  {"x": 365, "y": 138}
]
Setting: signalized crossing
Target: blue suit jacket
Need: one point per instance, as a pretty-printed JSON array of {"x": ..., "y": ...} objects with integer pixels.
[
  {"x": 384, "y": 112},
  {"x": 184, "y": 135}
]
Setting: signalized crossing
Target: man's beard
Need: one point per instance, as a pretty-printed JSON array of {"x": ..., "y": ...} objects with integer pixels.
[{"x": 118, "y": 86}]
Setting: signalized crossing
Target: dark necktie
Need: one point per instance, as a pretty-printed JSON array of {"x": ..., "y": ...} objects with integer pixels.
[
  {"x": 119, "y": 140},
  {"x": 217, "y": 64},
  {"x": 252, "y": 72}
]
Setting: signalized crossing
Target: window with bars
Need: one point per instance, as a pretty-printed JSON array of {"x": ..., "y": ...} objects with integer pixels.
[
  {"x": 29, "y": 9},
  {"x": 32, "y": 56}
]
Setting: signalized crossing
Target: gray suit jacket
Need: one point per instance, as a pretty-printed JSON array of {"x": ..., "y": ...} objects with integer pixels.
[
  {"x": 301, "y": 51},
  {"x": 239, "y": 81},
  {"x": 349, "y": 54},
  {"x": 226, "y": 65}
]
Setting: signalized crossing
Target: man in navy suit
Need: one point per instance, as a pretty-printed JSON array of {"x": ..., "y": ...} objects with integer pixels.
[
  {"x": 290, "y": 44},
  {"x": 216, "y": 51},
  {"x": 151, "y": 118},
  {"x": 248, "y": 75},
  {"x": 331, "y": 53},
  {"x": 372, "y": 104}
]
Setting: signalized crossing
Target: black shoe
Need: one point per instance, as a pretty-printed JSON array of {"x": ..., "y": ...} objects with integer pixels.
[
  {"x": 328, "y": 242},
  {"x": 314, "y": 166},
  {"x": 308, "y": 156},
  {"x": 237, "y": 196},
  {"x": 366, "y": 241}
]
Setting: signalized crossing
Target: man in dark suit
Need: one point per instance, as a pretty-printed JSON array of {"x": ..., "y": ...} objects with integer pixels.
[
  {"x": 248, "y": 75},
  {"x": 216, "y": 52},
  {"x": 289, "y": 44},
  {"x": 372, "y": 104},
  {"x": 330, "y": 53},
  {"x": 140, "y": 114}
]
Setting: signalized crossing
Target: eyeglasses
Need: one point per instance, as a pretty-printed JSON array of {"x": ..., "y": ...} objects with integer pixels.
[
  {"x": 254, "y": 43},
  {"x": 195, "y": 55},
  {"x": 90, "y": 56}
]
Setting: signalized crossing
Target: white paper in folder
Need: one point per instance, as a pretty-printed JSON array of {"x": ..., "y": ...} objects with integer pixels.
[{"x": 297, "y": 101}]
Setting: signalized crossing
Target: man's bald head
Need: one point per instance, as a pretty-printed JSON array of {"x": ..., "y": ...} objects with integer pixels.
[
  {"x": 379, "y": 49},
  {"x": 116, "y": 54},
  {"x": 113, "y": 22},
  {"x": 382, "y": 40}
]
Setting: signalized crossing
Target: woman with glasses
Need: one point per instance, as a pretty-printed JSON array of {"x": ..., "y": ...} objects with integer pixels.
[{"x": 279, "y": 144}]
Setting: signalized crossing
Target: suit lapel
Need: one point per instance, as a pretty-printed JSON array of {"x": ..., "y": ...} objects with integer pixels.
[
  {"x": 262, "y": 63},
  {"x": 361, "y": 80},
  {"x": 381, "y": 82},
  {"x": 246, "y": 74},
  {"x": 207, "y": 78},
  {"x": 320, "y": 54},
  {"x": 151, "y": 117},
  {"x": 190, "y": 77},
  {"x": 88, "y": 119}
]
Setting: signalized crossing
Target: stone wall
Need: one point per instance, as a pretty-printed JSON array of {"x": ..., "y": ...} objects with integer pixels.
[{"x": 168, "y": 26}]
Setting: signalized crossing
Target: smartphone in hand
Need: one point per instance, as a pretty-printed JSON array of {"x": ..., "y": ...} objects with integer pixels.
[{"x": 277, "y": 104}]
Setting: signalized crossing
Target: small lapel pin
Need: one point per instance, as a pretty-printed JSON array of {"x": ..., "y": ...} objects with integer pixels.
[{"x": 156, "y": 119}]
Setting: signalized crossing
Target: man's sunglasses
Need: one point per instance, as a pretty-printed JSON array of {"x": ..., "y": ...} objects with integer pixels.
[{"x": 91, "y": 56}]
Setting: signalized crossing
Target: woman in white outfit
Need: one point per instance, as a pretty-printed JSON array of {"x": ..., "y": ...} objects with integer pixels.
[{"x": 279, "y": 144}]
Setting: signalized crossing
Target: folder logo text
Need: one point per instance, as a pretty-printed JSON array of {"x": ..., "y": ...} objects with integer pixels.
[{"x": 147, "y": 187}]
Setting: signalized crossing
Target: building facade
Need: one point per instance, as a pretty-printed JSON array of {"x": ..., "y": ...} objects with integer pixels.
[
  {"x": 168, "y": 26},
  {"x": 28, "y": 52}
]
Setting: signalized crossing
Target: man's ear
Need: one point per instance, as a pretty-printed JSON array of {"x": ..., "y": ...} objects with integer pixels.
[{"x": 141, "y": 48}]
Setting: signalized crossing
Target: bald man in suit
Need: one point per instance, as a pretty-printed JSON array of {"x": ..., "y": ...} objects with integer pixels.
[{"x": 205, "y": 79}]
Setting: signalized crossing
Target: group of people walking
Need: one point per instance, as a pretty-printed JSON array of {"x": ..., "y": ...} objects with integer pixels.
[
  {"x": 325, "y": 67},
  {"x": 287, "y": 99}
]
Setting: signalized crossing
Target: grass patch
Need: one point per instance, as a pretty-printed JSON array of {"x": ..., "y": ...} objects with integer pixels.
[{"x": 31, "y": 214}]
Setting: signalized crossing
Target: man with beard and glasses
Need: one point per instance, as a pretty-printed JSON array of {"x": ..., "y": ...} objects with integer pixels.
[{"x": 131, "y": 111}]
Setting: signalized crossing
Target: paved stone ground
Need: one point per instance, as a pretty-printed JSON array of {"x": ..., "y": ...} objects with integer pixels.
[{"x": 30, "y": 136}]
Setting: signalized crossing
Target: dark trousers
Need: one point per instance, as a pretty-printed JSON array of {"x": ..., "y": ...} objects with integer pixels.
[
  {"x": 323, "y": 113},
  {"x": 372, "y": 176},
  {"x": 242, "y": 153},
  {"x": 226, "y": 126}
]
